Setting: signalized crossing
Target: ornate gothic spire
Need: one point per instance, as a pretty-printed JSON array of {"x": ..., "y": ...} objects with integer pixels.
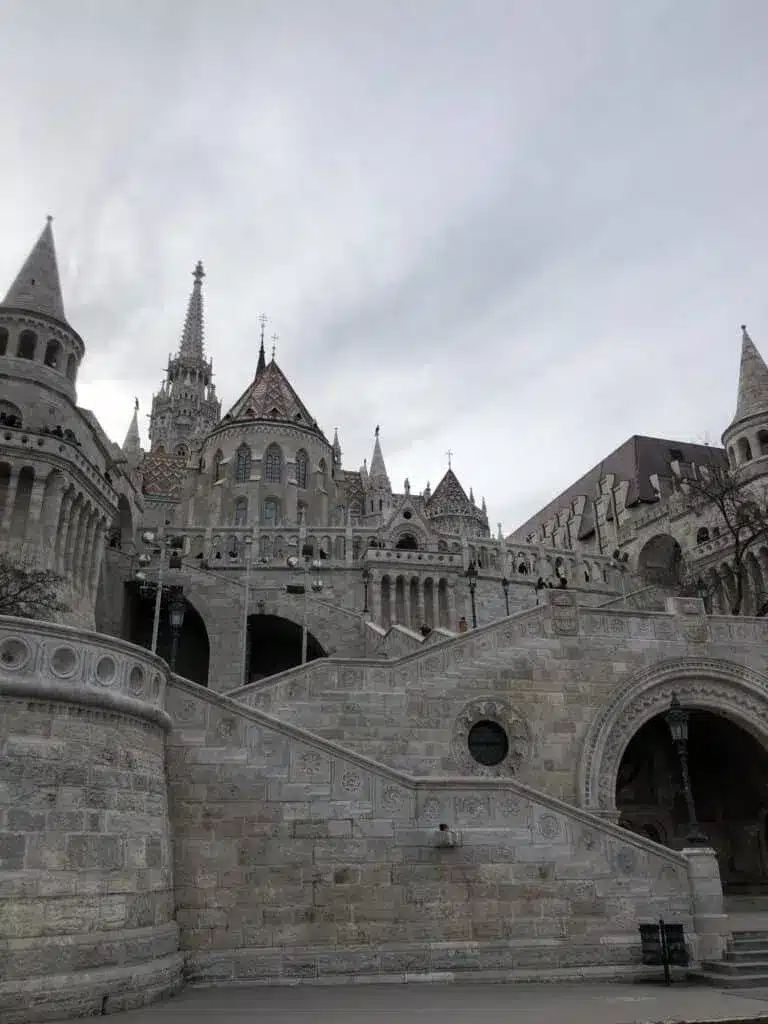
[
  {"x": 37, "y": 287},
  {"x": 192, "y": 337},
  {"x": 132, "y": 442},
  {"x": 336, "y": 447},
  {"x": 378, "y": 470},
  {"x": 753, "y": 380}
]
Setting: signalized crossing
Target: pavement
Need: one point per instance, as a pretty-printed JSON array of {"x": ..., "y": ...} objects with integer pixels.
[{"x": 456, "y": 1003}]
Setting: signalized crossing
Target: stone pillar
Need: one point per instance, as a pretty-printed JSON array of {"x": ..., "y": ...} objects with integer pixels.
[
  {"x": 62, "y": 533},
  {"x": 10, "y": 499},
  {"x": 407, "y": 602},
  {"x": 710, "y": 922},
  {"x": 348, "y": 542},
  {"x": 374, "y": 597},
  {"x": 291, "y": 510},
  {"x": 35, "y": 505},
  {"x": 420, "y": 615},
  {"x": 98, "y": 553}
]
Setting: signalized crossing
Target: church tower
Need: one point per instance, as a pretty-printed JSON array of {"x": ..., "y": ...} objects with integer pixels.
[
  {"x": 186, "y": 407},
  {"x": 378, "y": 497},
  {"x": 746, "y": 439}
]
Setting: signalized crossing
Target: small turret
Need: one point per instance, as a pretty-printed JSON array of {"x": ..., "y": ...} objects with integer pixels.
[
  {"x": 336, "y": 449},
  {"x": 746, "y": 439},
  {"x": 132, "y": 442}
]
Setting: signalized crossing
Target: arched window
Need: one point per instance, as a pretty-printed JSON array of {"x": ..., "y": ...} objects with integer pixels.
[
  {"x": 71, "y": 367},
  {"x": 270, "y": 511},
  {"x": 3, "y": 340},
  {"x": 302, "y": 468},
  {"x": 243, "y": 464},
  {"x": 241, "y": 512},
  {"x": 322, "y": 470},
  {"x": 273, "y": 465},
  {"x": 27, "y": 345},
  {"x": 702, "y": 535},
  {"x": 218, "y": 458},
  {"x": 181, "y": 451},
  {"x": 10, "y": 415},
  {"x": 762, "y": 437},
  {"x": 745, "y": 449},
  {"x": 52, "y": 354}
]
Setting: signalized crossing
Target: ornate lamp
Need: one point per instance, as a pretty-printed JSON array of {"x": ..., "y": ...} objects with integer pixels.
[{"x": 677, "y": 720}]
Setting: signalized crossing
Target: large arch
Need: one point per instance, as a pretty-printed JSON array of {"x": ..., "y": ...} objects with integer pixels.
[
  {"x": 193, "y": 654},
  {"x": 274, "y": 645},
  {"x": 660, "y": 560},
  {"x": 732, "y": 691}
]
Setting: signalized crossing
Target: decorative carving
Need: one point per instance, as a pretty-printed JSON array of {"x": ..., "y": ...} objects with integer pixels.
[
  {"x": 351, "y": 781},
  {"x": 308, "y": 763},
  {"x": 494, "y": 710},
  {"x": 732, "y": 690},
  {"x": 392, "y": 799},
  {"x": 625, "y": 860},
  {"x": 430, "y": 809},
  {"x": 14, "y": 653},
  {"x": 549, "y": 826},
  {"x": 64, "y": 662},
  {"x": 565, "y": 615},
  {"x": 106, "y": 670}
]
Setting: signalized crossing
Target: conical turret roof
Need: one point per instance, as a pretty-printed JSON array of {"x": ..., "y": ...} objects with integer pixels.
[
  {"x": 378, "y": 470},
  {"x": 37, "y": 287},
  {"x": 450, "y": 498},
  {"x": 270, "y": 397},
  {"x": 193, "y": 334},
  {"x": 753, "y": 380},
  {"x": 132, "y": 442}
]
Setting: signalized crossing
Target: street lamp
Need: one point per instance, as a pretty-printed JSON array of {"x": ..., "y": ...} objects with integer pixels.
[
  {"x": 677, "y": 720},
  {"x": 317, "y": 585},
  {"x": 471, "y": 575},
  {"x": 505, "y": 588},
  {"x": 366, "y": 582},
  {"x": 246, "y": 605},
  {"x": 176, "y": 609}
]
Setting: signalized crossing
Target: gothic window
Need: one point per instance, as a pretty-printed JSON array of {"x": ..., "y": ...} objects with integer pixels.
[
  {"x": 322, "y": 470},
  {"x": 273, "y": 465},
  {"x": 243, "y": 464},
  {"x": 270, "y": 511},
  {"x": 302, "y": 468},
  {"x": 241, "y": 512},
  {"x": 52, "y": 354},
  {"x": 3, "y": 340},
  {"x": 71, "y": 367},
  {"x": 702, "y": 535},
  {"x": 301, "y": 512},
  {"x": 181, "y": 451},
  {"x": 745, "y": 449},
  {"x": 27, "y": 345},
  {"x": 10, "y": 415},
  {"x": 218, "y": 458}
]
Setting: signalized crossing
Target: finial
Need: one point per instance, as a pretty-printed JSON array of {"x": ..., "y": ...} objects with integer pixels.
[
  {"x": 275, "y": 339},
  {"x": 376, "y": 431},
  {"x": 198, "y": 273},
  {"x": 407, "y": 486},
  {"x": 745, "y": 333},
  {"x": 449, "y": 453},
  {"x": 263, "y": 320},
  {"x": 136, "y": 405},
  {"x": 49, "y": 219}
]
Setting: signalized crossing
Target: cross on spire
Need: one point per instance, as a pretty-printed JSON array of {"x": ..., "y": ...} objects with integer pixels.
[
  {"x": 449, "y": 453},
  {"x": 262, "y": 361},
  {"x": 275, "y": 339}
]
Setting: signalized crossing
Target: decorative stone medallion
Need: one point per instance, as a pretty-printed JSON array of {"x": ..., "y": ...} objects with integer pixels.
[
  {"x": 14, "y": 653},
  {"x": 501, "y": 713}
]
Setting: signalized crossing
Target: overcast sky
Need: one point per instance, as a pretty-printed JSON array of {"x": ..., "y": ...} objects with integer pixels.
[{"x": 520, "y": 230}]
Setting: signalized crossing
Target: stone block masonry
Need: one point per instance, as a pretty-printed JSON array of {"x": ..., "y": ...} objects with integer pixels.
[{"x": 297, "y": 859}]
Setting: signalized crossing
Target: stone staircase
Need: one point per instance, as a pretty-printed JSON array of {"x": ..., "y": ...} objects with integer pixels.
[{"x": 744, "y": 965}]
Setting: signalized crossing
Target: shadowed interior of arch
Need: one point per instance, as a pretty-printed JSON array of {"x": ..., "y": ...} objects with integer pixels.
[
  {"x": 193, "y": 649},
  {"x": 274, "y": 645},
  {"x": 729, "y": 784}
]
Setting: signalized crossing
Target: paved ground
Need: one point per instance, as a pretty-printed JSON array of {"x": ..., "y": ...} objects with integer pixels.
[{"x": 474, "y": 1003}]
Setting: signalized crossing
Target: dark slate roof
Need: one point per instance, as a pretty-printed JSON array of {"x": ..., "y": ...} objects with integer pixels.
[
  {"x": 270, "y": 397},
  {"x": 449, "y": 498},
  {"x": 636, "y": 461}
]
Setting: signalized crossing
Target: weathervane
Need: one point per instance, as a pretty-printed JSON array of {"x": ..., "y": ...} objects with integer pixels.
[{"x": 263, "y": 320}]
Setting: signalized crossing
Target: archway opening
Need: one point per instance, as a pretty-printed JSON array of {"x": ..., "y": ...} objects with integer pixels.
[
  {"x": 660, "y": 560},
  {"x": 407, "y": 543},
  {"x": 729, "y": 784},
  {"x": 193, "y": 652},
  {"x": 274, "y": 645}
]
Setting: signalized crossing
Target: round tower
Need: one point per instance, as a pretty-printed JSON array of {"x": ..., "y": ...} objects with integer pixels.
[{"x": 746, "y": 439}]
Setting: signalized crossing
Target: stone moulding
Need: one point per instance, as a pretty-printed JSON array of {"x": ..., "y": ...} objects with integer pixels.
[
  {"x": 734, "y": 691},
  {"x": 50, "y": 662}
]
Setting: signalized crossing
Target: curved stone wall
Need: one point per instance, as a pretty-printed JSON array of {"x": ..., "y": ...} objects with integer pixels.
[{"x": 86, "y": 881}]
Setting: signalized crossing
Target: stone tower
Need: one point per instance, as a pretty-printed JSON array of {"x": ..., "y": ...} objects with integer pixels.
[
  {"x": 186, "y": 407},
  {"x": 378, "y": 498},
  {"x": 746, "y": 439}
]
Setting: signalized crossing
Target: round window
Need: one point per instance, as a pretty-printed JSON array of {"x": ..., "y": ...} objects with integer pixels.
[
  {"x": 407, "y": 514},
  {"x": 488, "y": 743}
]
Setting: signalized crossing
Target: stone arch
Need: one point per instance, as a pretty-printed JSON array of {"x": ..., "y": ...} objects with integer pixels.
[
  {"x": 4, "y": 338},
  {"x": 122, "y": 525},
  {"x": 407, "y": 541},
  {"x": 660, "y": 560},
  {"x": 193, "y": 651},
  {"x": 52, "y": 356},
  {"x": 27, "y": 345},
  {"x": 733, "y": 691}
]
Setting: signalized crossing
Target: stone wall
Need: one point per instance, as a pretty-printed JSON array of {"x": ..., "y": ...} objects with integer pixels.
[
  {"x": 86, "y": 882},
  {"x": 296, "y": 859}
]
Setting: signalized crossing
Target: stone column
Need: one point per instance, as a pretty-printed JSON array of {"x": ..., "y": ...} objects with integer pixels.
[
  {"x": 10, "y": 499},
  {"x": 35, "y": 505},
  {"x": 407, "y": 602},
  {"x": 99, "y": 541},
  {"x": 348, "y": 542},
  {"x": 710, "y": 922},
  {"x": 291, "y": 510},
  {"x": 420, "y": 616},
  {"x": 62, "y": 532}
]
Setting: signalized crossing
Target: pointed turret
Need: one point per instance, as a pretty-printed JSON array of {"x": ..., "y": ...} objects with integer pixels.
[
  {"x": 336, "y": 447},
  {"x": 37, "y": 287},
  {"x": 191, "y": 345},
  {"x": 378, "y": 470},
  {"x": 753, "y": 380},
  {"x": 132, "y": 442}
]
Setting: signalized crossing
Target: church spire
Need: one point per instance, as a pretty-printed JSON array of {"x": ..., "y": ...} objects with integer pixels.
[
  {"x": 336, "y": 447},
  {"x": 262, "y": 363},
  {"x": 378, "y": 470},
  {"x": 753, "y": 380},
  {"x": 132, "y": 442},
  {"x": 37, "y": 287},
  {"x": 192, "y": 337}
]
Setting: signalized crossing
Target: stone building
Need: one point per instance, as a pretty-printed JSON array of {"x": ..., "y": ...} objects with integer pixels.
[{"x": 505, "y": 800}]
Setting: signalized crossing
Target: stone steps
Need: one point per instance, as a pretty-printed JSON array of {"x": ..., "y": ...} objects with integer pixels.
[{"x": 744, "y": 964}]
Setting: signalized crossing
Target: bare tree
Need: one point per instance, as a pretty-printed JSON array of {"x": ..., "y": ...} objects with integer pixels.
[
  {"x": 741, "y": 517},
  {"x": 27, "y": 592}
]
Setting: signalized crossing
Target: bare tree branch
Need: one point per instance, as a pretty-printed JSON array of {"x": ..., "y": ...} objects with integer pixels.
[{"x": 29, "y": 593}]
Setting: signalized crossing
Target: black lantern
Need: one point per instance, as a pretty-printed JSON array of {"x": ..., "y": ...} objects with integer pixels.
[
  {"x": 176, "y": 610},
  {"x": 472, "y": 575},
  {"x": 677, "y": 720},
  {"x": 505, "y": 588},
  {"x": 366, "y": 584}
]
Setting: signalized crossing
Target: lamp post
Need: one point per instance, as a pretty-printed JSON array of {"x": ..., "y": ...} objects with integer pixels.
[
  {"x": 246, "y": 606},
  {"x": 471, "y": 575},
  {"x": 307, "y": 563},
  {"x": 505, "y": 588},
  {"x": 677, "y": 720},
  {"x": 176, "y": 609},
  {"x": 366, "y": 583}
]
